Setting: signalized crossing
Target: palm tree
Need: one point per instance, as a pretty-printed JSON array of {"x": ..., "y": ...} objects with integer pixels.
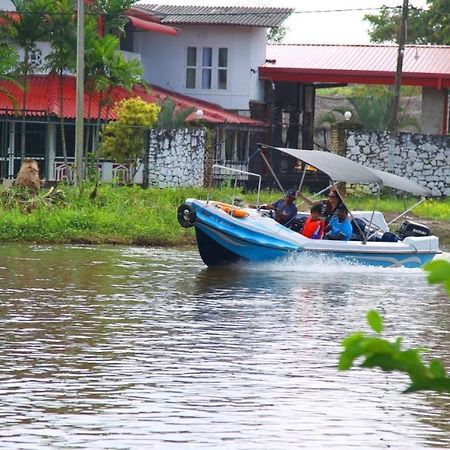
[
  {"x": 111, "y": 14},
  {"x": 105, "y": 69},
  {"x": 9, "y": 59},
  {"x": 61, "y": 58},
  {"x": 370, "y": 108},
  {"x": 24, "y": 29}
]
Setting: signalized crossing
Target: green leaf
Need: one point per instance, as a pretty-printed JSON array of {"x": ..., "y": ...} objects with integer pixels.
[
  {"x": 352, "y": 338},
  {"x": 377, "y": 345},
  {"x": 439, "y": 271},
  {"x": 375, "y": 321},
  {"x": 437, "y": 385},
  {"x": 437, "y": 369}
]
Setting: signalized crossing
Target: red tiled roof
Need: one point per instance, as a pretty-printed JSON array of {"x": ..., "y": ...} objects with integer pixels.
[
  {"x": 372, "y": 64},
  {"x": 42, "y": 99}
]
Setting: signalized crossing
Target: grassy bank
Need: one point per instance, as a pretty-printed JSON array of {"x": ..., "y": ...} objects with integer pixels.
[{"x": 131, "y": 215}]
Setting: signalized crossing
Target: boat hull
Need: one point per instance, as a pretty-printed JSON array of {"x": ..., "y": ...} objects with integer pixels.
[{"x": 223, "y": 239}]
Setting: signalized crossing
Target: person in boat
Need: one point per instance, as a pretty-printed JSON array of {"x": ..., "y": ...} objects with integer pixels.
[
  {"x": 285, "y": 209},
  {"x": 339, "y": 228},
  {"x": 314, "y": 226},
  {"x": 329, "y": 206}
]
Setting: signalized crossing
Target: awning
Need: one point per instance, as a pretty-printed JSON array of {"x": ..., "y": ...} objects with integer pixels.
[
  {"x": 152, "y": 26},
  {"x": 402, "y": 184},
  {"x": 341, "y": 169},
  {"x": 336, "y": 167}
]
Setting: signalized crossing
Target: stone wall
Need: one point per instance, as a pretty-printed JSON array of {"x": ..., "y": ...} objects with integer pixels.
[
  {"x": 423, "y": 158},
  {"x": 176, "y": 157}
]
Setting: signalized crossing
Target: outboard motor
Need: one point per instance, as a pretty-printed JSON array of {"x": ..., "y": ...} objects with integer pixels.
[{"x": 415, "y": 229}]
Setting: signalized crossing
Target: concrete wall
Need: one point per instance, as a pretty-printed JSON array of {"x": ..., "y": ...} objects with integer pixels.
[
  {"x": 6, "y": 5},
  {"x": 422, "y": 158},
  {"x": 164, "y": 61},
  {"x": 176, "y": 157},
  {"x": 433, "y": 110}
]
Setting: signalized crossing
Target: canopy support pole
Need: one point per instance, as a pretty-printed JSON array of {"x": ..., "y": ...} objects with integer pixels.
[
  {"x": 270, "y": 168},
  {"x": 407, "y": 211}
]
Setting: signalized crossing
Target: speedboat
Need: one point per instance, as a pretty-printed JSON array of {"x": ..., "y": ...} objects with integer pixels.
[{"x": 227, "y": 233}]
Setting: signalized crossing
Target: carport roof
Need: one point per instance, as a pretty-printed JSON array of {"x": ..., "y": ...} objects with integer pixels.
[{"x": 427, "y": 66}]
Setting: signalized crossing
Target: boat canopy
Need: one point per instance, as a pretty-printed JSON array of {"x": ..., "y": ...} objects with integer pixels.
[
  {"x": 342, "y": 169},
  {"x": 336, "y": 167},
  {"x": 402, "y": 184}
]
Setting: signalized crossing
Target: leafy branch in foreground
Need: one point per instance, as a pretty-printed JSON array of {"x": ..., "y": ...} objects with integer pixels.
[{"x": 389, "y": 356}]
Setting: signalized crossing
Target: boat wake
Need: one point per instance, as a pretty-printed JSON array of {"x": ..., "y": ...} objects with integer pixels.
[{"x": 320, "y": 264}]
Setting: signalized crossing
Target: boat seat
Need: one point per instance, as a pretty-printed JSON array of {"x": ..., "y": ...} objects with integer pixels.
[{"x": 358, "y": 226}]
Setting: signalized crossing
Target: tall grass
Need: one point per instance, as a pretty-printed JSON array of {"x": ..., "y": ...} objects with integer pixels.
[{"x": 131, "y": 215}]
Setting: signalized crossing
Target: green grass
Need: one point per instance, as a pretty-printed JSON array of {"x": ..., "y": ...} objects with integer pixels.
[{"x": 131, "y": 215}]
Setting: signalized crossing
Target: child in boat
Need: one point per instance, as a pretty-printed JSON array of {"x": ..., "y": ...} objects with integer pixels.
[{"x": 314, "y": 225}]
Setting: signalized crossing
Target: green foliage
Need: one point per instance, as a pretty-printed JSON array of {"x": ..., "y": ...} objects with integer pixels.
[
  {"x": 370, "y": 107},
  {"x": 169, "y": 118},
  {"x": 112, "y": 12},
  {"x": 124, "y": 139},
  {"x": 389, "y": 356},
  {"x": 31, "y": 27},
  {"x": 439, "y": 272},
  {"x": 425, "y": 26},
  {"x": 62, "y": 34},
  {"x": 275, "y": 35},
  {"x": 9, "y": 59}
]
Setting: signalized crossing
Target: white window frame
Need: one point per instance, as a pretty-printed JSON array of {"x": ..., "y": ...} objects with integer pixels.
[{"x": 199, "y": 69}]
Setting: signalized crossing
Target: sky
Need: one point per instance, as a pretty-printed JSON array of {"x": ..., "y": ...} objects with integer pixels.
[{"x": 334, "y": 27}]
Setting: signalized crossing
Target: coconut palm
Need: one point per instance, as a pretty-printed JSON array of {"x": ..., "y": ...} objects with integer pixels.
[
  {"x": 370, "y": 107},
  {"x": 9, "y": 60},
  {"x": 111, "y": 14},
  {"x": 25, "y": 29},
  {"x": 63, "y": 41}
]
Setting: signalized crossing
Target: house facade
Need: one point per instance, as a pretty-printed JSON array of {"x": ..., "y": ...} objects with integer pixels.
[{"x": 211, "y": 68}]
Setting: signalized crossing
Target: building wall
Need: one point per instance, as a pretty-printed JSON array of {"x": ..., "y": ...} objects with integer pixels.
[
  {"x": 164, "y": 61},
  {"x": 433, "y": 110},
  {"x": 176, "y": 157},
  {"x": 422, "y": 158},
  {"x": 6, "y": 5}
]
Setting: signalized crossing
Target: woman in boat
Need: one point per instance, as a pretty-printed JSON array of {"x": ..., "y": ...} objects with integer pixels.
[{"x": 329, "y": 206}]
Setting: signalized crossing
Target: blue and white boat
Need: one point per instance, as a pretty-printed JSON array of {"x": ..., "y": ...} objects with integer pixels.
[{"x": 227, "y": 233}]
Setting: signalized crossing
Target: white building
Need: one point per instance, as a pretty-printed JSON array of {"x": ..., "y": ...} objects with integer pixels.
[{"x": 214, "y": 56}]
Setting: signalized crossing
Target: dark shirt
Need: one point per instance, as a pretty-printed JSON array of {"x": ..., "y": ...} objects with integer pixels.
[
  {"x": 284, "y": 211},
  {"x": 327, "y": 213}
]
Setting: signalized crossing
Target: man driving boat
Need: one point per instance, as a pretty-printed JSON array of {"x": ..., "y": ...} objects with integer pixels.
[{"x": 285, "y": 209}]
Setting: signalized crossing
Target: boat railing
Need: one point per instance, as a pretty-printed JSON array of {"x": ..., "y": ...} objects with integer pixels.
[{"x": 239, "y": 172}]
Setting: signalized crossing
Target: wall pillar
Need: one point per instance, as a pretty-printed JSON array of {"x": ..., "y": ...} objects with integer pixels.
[
  {"x": 51, "y": 150},
  {"x": 434, "y": 111}
]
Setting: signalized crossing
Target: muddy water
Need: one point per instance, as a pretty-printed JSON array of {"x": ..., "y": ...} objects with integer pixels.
[{"x": 131, "y": 348}]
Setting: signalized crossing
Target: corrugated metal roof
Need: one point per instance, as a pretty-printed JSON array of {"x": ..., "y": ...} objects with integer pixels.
[
  {"x": 219, "y": 15},
  {"x": 422, "y": 65},
  {"x": 42, "y": 100}
]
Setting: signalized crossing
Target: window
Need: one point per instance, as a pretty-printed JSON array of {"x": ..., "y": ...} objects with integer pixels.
[
  {"x": 36, "y": 57},
  {"x": 191, "y": 67},
  {"x": 222, "y": 68},
  {"x": 206, "y": 68}
]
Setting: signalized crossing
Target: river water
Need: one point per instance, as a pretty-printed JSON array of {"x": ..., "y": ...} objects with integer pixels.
[{"x": 133, "y": 348}]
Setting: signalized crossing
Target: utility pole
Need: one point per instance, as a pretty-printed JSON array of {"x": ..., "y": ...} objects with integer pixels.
[
  {"x": 393, "y": 122},
  {"x": 79, "y": 121}
]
